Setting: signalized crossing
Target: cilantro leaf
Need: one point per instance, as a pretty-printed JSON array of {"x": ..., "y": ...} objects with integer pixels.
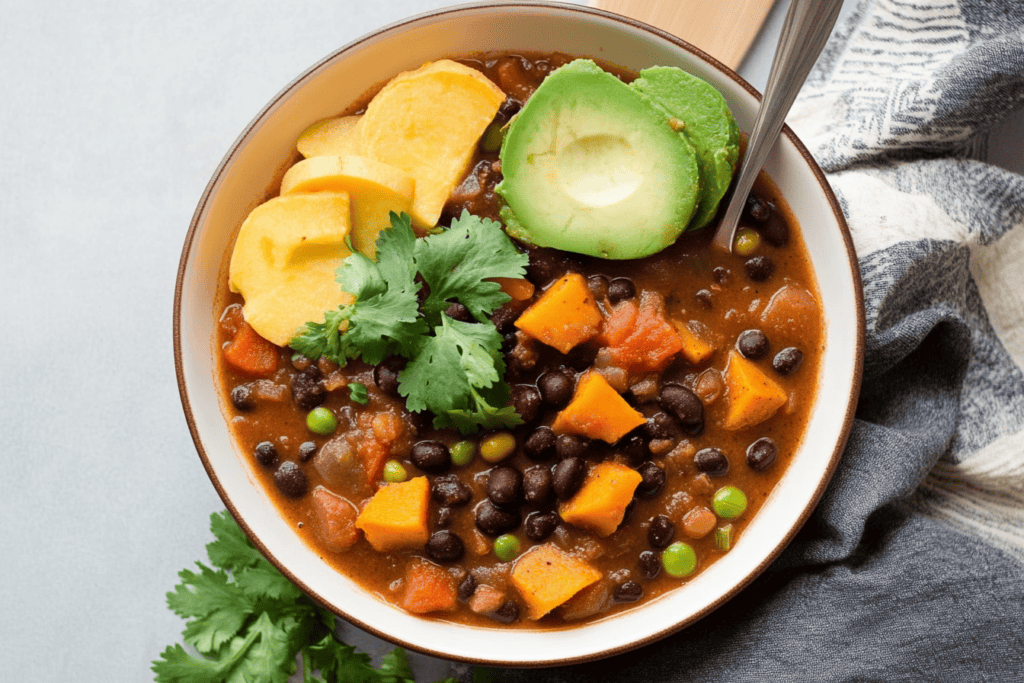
[
  {"x": 357, "y": 392},
  {"x": 218, "y": 609},
  {"x": 231, "y": 550},
  {"x": 324, "y": 339},
  {"x": 457, "y": 263}
]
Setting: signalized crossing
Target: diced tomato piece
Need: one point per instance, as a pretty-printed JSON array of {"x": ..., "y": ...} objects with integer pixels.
[{"x": 644, "y": 342}]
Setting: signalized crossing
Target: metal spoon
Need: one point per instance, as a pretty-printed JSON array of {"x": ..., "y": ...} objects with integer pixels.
[{"x": 804, "y": 33}]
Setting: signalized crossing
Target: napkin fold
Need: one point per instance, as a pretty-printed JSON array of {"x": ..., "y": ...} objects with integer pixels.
[{"x": 912, "y": 566}]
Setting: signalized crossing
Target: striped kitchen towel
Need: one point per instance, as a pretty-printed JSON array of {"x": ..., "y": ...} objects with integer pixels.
[{"x": 912, "y": 566}]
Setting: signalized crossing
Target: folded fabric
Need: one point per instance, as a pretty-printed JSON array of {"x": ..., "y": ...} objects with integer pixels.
[{"x": 912, "y": 566}]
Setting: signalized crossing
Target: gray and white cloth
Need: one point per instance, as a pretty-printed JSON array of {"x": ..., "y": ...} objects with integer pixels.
[{"x": 912, "y": 566}]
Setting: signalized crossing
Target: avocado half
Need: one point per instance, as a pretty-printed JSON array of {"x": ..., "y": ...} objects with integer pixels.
[{"x": 592, "y": 167}]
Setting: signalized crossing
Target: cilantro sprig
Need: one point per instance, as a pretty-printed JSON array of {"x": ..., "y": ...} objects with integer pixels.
[
  {"x": 249, "y": 622},
  {"x": 455, "y": 369}
]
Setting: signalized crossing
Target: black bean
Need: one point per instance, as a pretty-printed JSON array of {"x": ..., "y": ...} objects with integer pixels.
[
  {"x": 650, "y": 564},
  {"x": 467, "y": 587},
  {"x": 660, "y": 532},
  {"x": 431, "y": 456},
  {"x": 540, "y": 525},
  {"x": 457, "y": 311},
  {"x": 507, "y": 613},
  {"x": 444, "y": 517},
  {"x": 662, "y": 426},
  {"x": 526, "y": 401},
  {"x": 385, "y": 375},
  {"x": 633, "y": 447},
  {"x": 761, "y": 454},
  {"x": 684, "y": 404},
  {"x": 598, "y": 285},
  {"x": 449, "y": 490},
  {"x": 705, "y": 298},
  {"x": 752, "y": 344},
  {"x": 653, "y": 480},
  {"x": 720, "y": 274},
  {"x": 620, "y": 289},
  {"x": 243, "y": 398},
  {"x": 445, "y": 546},
  {"x": 631, "y": 591},
  {"x": 571, "y": 446},
  {"x": 266, "y": 454},
  {"x": 540, "y": 445},
  {"x": 509, "y": 108},
  {"x": 756, "y": 209},
  {"x": 788, "y": 360},
  {"x": 493, "y": 520},
  {"x": 537, "y": 484},
  {"x": 546, "y": 265},
  {"x": 504, "y": 485},
  {"x": 556, "y": 388},
  {"x": 775, "y": 231},
  {"x": 291, "y": 480},
  {"x": 307, "y": 449},
  {"x": 759, "y": 268},
  {"x": 582, "y": 357},
  {"x": 420, "y": 421},
  {"x": 567, "y": 477},
  {"x": 307, "y": 388},
  {"x": 711, "y": 462},
  {"x": 503, "y": 319}
]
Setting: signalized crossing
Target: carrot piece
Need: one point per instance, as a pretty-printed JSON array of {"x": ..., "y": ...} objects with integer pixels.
[
  {"x": 644, "y": 342},
  {"x": 565, "y": 314},
  {"x": 373, "y": 454},
  {"x": 517, "y": 288},
  {"x": 601, "y": 502},
  {"x": 250, "y": 353},
  {"x": 396, "y": 516},
  {"x": 597, "y": 411},
  {"x": 753, "y": 396},
  {"x": 546, "y": 577},
  {"x": 335, "y": 519},
  {"x": 428, "y": 588}
]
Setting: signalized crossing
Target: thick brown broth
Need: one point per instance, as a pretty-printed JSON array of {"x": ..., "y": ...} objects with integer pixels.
[{"x": 703, "y": 288}]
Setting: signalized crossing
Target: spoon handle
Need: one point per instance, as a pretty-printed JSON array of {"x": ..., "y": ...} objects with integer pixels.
[{"x": 804, "y": 33}]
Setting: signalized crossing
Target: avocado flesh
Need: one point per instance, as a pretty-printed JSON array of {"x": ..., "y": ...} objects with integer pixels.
[
  {"x": 707, "y": 124},
  {"x": 592, "y": 168}
]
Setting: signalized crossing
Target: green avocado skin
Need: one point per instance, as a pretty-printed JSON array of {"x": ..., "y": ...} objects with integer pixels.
[
  {"x": 708, "y": 125},
  {"x": 644, "y": 192}
]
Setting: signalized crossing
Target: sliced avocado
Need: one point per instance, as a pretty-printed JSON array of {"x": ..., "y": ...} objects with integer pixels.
[
  {"x": 591, "y": 167},
  {"x": 705, "y": 121}
]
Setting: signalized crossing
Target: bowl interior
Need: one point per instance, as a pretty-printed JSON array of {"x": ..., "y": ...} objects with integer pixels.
[{"x": 247, "y": 177}]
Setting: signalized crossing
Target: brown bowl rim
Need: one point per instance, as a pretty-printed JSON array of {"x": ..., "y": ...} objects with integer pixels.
[{"x": 609, "y": 652}]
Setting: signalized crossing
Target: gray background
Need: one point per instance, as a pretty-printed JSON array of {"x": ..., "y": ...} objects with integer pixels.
[{"x": 114, "y": 116}]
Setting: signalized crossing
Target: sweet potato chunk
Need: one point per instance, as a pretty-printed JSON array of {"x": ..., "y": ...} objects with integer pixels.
[
  {"x": 565, "y": 315},
  {"x": 695, "y": 350},
  {"x": 597, "y": 411},
  {"x": 335, "y": 520},
  {"x": 396, "y": 516},
  {"x": 546, "y": 577},
  {"x": 753, "y": 395},
  {"x": 601, "y": 502},
  {"x": 428, "y": 588},
  {"x": 250, "y": 353},
  {"x": 641, "y": 339}
]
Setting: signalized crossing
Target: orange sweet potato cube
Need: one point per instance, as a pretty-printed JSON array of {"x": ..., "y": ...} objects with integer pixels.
[
  {"x": 601, "y": 502},
  {"x": 428, "y": 588},
  {"x": 546, "y": 577},
  {"x": 695, "y": 350},
  {"x": 753, "y": 396},
  {"x": 396, "y": 516},
  {"x": 565, "y": 314},
  {"x": 597, "y": 411}
]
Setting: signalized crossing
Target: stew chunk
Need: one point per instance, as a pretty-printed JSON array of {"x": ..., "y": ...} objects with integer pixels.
[
  {"x": 601, "y": 503},
  {"x": 396, "y": 517},
  {"x": 546, "y": 577}
]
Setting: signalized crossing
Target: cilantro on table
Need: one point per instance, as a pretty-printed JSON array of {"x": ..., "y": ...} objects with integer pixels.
[
  {"x": 455, "y": 369},
  {"x": 249, "y": 622}
]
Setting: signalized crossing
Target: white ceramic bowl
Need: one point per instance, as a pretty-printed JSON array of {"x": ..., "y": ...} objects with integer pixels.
[{"x": 247, "y": 177}]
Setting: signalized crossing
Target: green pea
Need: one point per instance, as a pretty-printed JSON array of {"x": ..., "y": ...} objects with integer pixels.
[
  {"x": 723, "y": 537},
  {"x": 394, "y": 472},
  {"x": 321, "y": 421},
  {"x": 729, "y": 502},
  {"x": 747, "y": 241},
  {"x": 506, "y": 547},
  {"x": 492, "y": 138},
  {"x": 679, "y": 559},
  {"x": 462, "y": 453},
  {"x": 497, "y": 447}
]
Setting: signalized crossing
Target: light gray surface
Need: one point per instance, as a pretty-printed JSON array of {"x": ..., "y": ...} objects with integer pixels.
[{"x": 114, "y": 116}]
